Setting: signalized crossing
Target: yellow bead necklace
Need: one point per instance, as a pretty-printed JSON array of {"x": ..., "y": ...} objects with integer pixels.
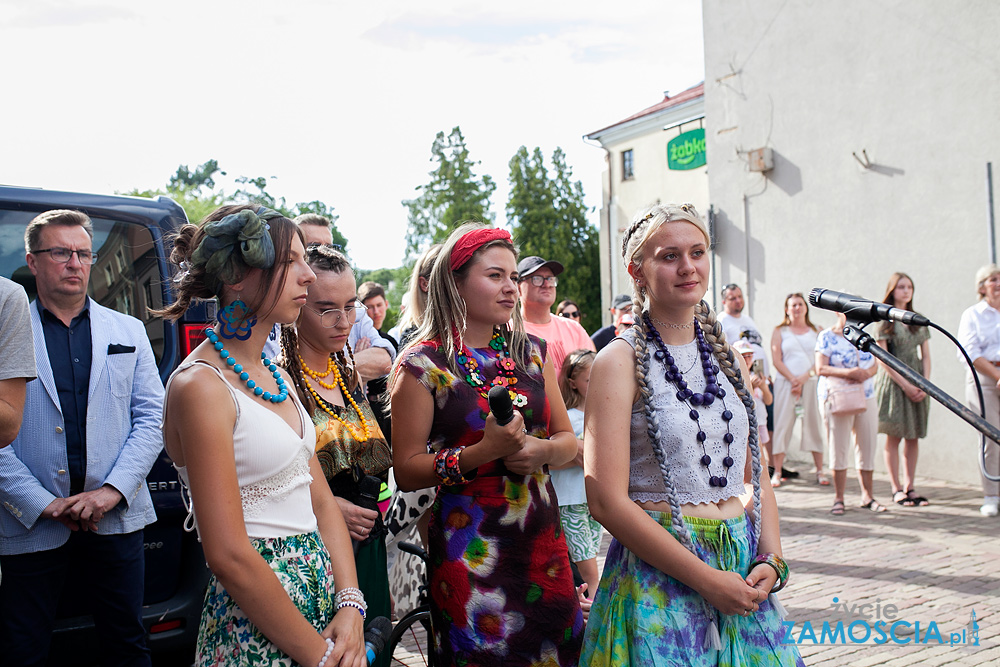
[
  {"x": 338, "y": 380},
  {"x": 330, "y": 367}
]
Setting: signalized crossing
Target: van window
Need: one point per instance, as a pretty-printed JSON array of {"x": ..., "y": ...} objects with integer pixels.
[{"x": 125, "y": 278}]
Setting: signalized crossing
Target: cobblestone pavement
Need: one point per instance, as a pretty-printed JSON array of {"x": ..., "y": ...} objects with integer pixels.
[{"x": 936, "y": 564}]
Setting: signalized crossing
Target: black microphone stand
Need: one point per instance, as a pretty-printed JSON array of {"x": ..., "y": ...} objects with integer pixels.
[{"x": 855, "y": 334}]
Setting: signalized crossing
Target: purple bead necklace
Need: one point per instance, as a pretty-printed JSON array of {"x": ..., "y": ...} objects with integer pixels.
[{"x": 693, "y": 400}]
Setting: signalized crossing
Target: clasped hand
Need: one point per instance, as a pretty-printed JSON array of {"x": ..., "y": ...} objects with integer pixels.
[
  {"x": 510, "y": 443},
  {"x": 734, "y": 595},
  {"x": 84, "y": 510}
]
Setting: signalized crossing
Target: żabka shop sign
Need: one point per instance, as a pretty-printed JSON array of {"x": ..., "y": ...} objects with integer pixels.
[{"x": 687, "y": 151}]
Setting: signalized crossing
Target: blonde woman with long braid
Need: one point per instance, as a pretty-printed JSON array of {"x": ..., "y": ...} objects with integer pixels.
[{"x": 673, "y": 469}]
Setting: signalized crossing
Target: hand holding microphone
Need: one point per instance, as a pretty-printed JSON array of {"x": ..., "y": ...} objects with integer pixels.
[{"x": 509, "y": 432}]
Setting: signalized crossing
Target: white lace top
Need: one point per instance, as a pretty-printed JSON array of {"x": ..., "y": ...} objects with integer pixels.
[
  {"x": 272, "y": 466},
  {"x": 678, "y": 435}
]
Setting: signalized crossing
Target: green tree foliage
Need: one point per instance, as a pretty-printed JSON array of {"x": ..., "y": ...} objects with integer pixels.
[
  {"x": 454, "y": 195},
  {"x": 549, "y": 219},
  {"x": 195, "y": 191}
]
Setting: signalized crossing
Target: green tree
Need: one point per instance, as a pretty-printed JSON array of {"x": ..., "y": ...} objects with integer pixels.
[
  {"x": 549, "y": 219},
  {"x": 453, "y": 195},
  {"x": 195, "y": 191}
]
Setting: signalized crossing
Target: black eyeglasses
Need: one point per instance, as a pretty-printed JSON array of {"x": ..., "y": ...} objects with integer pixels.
[
  {"x": 570, "y": 313},
  {"x": 314, "y": 244},
  {"x": 726, "y": 288},
  {"x": 538, "y": 281},
  {"x": 63, "y": 255}
]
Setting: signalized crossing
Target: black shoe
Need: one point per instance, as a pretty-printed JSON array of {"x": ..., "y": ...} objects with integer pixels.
[
  {"x": 788, "y": 474},
  {"x": 770, "y": 471}
]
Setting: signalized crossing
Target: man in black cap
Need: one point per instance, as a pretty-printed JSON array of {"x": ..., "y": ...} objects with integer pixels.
[
  {"x": 621, "y": 305},
  {"x": 538, "y": 293}
]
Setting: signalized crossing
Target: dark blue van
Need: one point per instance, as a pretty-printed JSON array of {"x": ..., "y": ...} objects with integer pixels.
[{"x": 130, "y": 276}]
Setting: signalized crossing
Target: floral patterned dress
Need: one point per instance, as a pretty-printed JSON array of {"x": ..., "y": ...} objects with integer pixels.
[{"x": 501, "y": 585}]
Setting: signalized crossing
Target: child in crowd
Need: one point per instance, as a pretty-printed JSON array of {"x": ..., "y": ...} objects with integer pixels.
[
  {"x": 762, "y": 396},
  {"x": 583, "y": 533}
]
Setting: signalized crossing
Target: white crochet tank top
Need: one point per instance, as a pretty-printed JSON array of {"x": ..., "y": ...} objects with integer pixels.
[
  {"x": 678, "y": 435},
  {"x": 272, "y": 466}
]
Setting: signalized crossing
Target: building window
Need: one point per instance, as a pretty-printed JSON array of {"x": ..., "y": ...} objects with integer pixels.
[
  {"x": 121, "y": 261},
  {"x": 109, "y": 275},
  {"x": 627, "y": 171}
]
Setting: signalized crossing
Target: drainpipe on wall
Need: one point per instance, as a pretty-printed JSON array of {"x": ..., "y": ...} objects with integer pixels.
[
  {"x": 746, "y": 238},
  {"x": 989, "y": 213}
]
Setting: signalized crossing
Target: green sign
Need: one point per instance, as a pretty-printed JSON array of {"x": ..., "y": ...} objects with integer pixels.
[{"x": 687, "y": 151}]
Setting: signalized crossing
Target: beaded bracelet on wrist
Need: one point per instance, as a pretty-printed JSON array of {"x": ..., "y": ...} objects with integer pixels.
[
  {"x": 351, "y": 603},
  {"x": 447, "y": 469},
  {"x": 350, "y": 594},
  {"x": 329, "y": 650},
  {"x": 777, "y": 563}
]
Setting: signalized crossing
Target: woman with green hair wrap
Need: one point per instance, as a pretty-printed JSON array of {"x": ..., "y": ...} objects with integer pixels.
[{"x": 243, "y": 447}]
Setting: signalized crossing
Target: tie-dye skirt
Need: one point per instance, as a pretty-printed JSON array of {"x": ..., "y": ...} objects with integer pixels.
[{"x": 641, "y": 616}]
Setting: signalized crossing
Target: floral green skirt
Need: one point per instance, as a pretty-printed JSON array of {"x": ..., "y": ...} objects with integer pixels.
[
  {"x": 302, "y": 565},
  {"x": 641, "y": 616}
]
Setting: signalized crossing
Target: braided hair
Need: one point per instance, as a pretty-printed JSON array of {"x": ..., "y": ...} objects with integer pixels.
[
  {"x": 319, "y": 258},
  {"x": 643, "y": 226}
]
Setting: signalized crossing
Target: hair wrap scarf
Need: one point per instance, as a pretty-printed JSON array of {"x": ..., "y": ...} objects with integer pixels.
[
  {"x": 470, "y": 242},
  {"x": 235, "y": 243}
]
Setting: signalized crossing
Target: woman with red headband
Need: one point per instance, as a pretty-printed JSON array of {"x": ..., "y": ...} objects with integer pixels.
[{"x": 501, "y": 587}]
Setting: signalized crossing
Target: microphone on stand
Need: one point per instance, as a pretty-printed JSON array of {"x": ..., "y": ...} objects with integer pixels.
[
  {"x": 863, "y": 309},
  {"x": 501, "y": 405},
  {"x": 376, "y": 636}
]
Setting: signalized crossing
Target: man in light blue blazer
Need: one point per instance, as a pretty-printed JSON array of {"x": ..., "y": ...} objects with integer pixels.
[{"x": 72, "y": 484}]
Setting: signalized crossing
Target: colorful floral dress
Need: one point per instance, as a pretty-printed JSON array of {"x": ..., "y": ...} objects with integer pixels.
[{"x": 501, "y": 585}]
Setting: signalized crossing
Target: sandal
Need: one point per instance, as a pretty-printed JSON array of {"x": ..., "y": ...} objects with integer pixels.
[
  {"x": 874, "y": 506},
  {"x": 900, "y": 498},
  {"x": 838, "y": 508},
  {"x": 915, "y": 500},
  {"x": 822, "y": 478}
]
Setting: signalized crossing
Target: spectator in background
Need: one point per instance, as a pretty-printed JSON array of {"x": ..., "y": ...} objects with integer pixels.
[
  {"x": 537, "y": 285},
  {"x": 570, "y": 309},
  {"x": 762, "y": 396},
  {"x": 793, "y": 346},
  {"x": 73, "y": 482},
  {"x": 979, "y": 334},
  {"x": 840, "y": 361},
  {"x": 736, "y": 325},
  {"x": 372, "y": 295},
  {"x": 416, "y": 300},
  {"x": 902, "y": 406},
  {"x": 621, "y": 305}
]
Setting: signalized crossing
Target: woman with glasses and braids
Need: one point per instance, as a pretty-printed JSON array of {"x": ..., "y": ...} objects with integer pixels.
[
  {"x": 673, "y": 472},
  {"x": 350, "y": 447},
  {"x": 243, "y": 447},
  {"x": 500, "y": 583}
]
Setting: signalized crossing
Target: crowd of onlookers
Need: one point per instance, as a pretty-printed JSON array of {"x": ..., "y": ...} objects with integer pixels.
[{"x": 78, "y": 441}]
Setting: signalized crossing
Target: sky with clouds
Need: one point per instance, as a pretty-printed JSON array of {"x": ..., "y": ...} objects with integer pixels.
[{"x": 337, "y": 101}]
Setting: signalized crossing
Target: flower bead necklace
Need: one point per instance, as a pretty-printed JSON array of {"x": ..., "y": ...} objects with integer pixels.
[
  {"x": 338, "y": 381},
  {"x": 505, "y": 367},
  {"x": 282, "y": 394},
  {"x": 695, "y": 400}
]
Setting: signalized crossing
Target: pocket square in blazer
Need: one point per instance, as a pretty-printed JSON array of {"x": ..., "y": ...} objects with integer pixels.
[{"x": 115, "y": 348}]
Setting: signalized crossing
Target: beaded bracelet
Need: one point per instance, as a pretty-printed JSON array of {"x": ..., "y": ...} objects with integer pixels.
[
  {"x": 447, "y": 469},
  {"x": 357, "y": 605},
  {"x": 350, "y": 594},
  {"x": 329, "y": 650},
  {"x": 777, "y": 563}
]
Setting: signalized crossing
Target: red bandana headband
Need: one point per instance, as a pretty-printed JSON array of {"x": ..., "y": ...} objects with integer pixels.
[{"x": 472, "y": 241}]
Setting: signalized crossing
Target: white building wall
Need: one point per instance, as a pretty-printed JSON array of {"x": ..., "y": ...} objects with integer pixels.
[{"x": 915, "y": 87}]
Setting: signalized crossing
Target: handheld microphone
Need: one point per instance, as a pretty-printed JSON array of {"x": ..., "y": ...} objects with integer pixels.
[
  {"x": 863, "y": 309},
  {"x": 376, "y": 636},
  {"x": 501, "y": 405}
]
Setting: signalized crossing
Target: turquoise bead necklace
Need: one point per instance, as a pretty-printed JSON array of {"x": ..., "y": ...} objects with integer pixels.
[{"x": 282, "y": 394}]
